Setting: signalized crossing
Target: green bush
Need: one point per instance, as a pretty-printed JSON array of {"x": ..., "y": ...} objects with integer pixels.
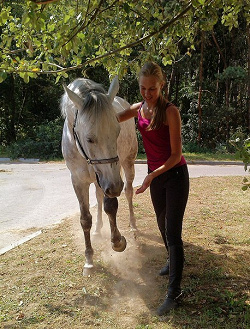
[
  {"x": 140, "y": 143},
  {"x": 46, "y": 143},
  {"x": 241, "y": 142},
  {"x": 194, "y": 147}
]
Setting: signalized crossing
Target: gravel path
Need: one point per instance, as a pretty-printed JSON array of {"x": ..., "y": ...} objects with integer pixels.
[{"x": 36, "y": 195}]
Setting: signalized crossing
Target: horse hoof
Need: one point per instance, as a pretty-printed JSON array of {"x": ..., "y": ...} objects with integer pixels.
[
  {"x": 120, "y": 246},
  {"x": 97, "y": 233},
  {"x": 87, "y": 270},
  {"x": 133, "y": 226}
]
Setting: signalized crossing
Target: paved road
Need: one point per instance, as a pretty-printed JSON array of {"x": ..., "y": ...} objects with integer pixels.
[{"x": 36, "y": 195}]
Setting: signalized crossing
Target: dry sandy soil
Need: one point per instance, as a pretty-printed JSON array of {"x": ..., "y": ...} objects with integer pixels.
[{"x": 42, "y": 284}]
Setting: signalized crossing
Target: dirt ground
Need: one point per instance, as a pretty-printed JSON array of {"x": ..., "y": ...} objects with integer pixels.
[{"x": 42, "y": 284}]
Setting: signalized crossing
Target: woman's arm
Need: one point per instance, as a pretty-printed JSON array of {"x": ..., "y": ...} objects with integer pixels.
[
  {"x": 174, "y": 123},
  {"x": 129, "y": 113}
]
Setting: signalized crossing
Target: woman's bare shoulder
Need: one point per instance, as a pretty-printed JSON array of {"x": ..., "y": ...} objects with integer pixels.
[{"x": 172, "y": 114}]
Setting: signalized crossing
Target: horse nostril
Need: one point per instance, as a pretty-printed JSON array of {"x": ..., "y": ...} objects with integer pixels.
[
  {"x": 107, "y": 192},
  {"x": 112, "y": 191}
]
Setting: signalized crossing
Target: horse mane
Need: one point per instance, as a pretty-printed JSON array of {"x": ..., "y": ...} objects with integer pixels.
[{"x": 95, "y": 100}]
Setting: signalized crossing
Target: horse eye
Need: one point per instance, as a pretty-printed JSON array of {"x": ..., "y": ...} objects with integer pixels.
[{"x": 90, "y": 140}]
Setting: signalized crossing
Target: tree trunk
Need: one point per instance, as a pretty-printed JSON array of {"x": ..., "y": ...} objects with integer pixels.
[
  {"x": 248, "y": 84},
  {"x": 200, "y": 88},
  {"x": 177, "y": 77},
  {"x": 11, "y": 105},
  {"x": 171, "y": 83}
]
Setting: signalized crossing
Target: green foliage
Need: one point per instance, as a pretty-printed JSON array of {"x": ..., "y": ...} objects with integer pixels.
[
  {"x": 68, "y": 35},
  {"x": 233, "y": 72},
  {"x": 24, "y": 106},
  {"x": 53, "y": 40},
  {"x": 141, "y": 149},
  {"x": 232, "y": 11},
  {"x": 62, "y": 40},
  {"x": 242, "y": 145},
  {"x": 46, "y": 143}
]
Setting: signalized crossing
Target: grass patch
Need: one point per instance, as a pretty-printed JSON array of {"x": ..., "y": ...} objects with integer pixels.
[
  {"x": 42, "y": 284},
  {"x": 210, "y": 157},
  {"x": 203, "y": 157},
  {"x": 5, "y": 153}
]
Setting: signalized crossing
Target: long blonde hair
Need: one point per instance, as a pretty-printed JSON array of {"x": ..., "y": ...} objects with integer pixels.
[{"x": 153, "y": 69}]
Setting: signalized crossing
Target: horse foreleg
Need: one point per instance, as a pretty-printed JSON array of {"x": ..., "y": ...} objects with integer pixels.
[
  {"x": 117, "y": 240},
  {"x": 86, "y": 223},
  {"x": 82, "y": 192},
  {"x": 129, "y": 196},
  {"x": 99, "y": 222},
  {"x": 129, "y": 171}
]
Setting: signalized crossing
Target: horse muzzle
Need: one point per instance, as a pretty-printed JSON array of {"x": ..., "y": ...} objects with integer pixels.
[{"x": 111, "y": 189}]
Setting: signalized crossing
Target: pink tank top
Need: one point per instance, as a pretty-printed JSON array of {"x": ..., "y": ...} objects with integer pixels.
[{"x": 156, "y": 144}]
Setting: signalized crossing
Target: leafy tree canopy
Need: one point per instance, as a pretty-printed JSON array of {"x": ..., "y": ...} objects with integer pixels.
[{"x": 54, "y": 37}]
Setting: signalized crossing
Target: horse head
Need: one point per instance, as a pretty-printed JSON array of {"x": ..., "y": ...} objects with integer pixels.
[{"x": 95, "y": 130}]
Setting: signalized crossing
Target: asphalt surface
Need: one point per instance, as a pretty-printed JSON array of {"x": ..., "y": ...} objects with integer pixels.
[{"x": 35, "y": 195}]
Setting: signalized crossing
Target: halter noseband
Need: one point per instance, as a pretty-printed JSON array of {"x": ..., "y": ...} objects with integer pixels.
[{"x": 90, "y": 161}]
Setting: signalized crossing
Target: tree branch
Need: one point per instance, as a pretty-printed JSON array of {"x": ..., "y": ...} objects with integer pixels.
[
  {"x": 83, "y": 24},
  {"x": 135, "y": 43},
  {"x": 43, "y": 2},
  {"x": 219, "y": 50},
  {"x": 113, "y": 52}
]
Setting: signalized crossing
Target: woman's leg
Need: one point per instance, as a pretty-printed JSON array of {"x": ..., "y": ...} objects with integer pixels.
[
  {"x": 177, "y": 189},
  {"x": 158, "y": 197}
]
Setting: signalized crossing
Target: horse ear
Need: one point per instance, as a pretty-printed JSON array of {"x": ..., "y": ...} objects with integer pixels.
[
  {"x": 75, "y": 99},
  {"x": 114, "y": 87}
]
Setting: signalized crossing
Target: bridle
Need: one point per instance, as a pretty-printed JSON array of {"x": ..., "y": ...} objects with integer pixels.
[{"x": 90, "y": 161}]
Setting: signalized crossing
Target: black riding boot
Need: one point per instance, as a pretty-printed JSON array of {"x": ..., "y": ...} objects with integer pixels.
[
  {"x": 165, "y": 269},
  {"x": 176, "y": 261}
]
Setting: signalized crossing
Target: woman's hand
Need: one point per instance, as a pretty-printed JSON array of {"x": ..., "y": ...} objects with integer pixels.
[
  {"x": 131, "y": 112},
  {"x": 135, "y": 106},
  {"x": 147, "y": 181}
]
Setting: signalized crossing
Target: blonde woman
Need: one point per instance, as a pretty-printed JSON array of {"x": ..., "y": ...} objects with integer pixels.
[{"x": 159, "y": 123}]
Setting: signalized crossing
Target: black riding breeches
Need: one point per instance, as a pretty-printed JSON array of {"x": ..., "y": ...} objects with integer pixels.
[{"x": 169, "y": 193}]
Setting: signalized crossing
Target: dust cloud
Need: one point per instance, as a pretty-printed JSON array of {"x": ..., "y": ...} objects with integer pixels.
[{"x": 135, "y": 277}]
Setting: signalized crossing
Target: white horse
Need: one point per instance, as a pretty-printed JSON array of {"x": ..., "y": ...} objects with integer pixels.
[{"x": 95, "y": 146}]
